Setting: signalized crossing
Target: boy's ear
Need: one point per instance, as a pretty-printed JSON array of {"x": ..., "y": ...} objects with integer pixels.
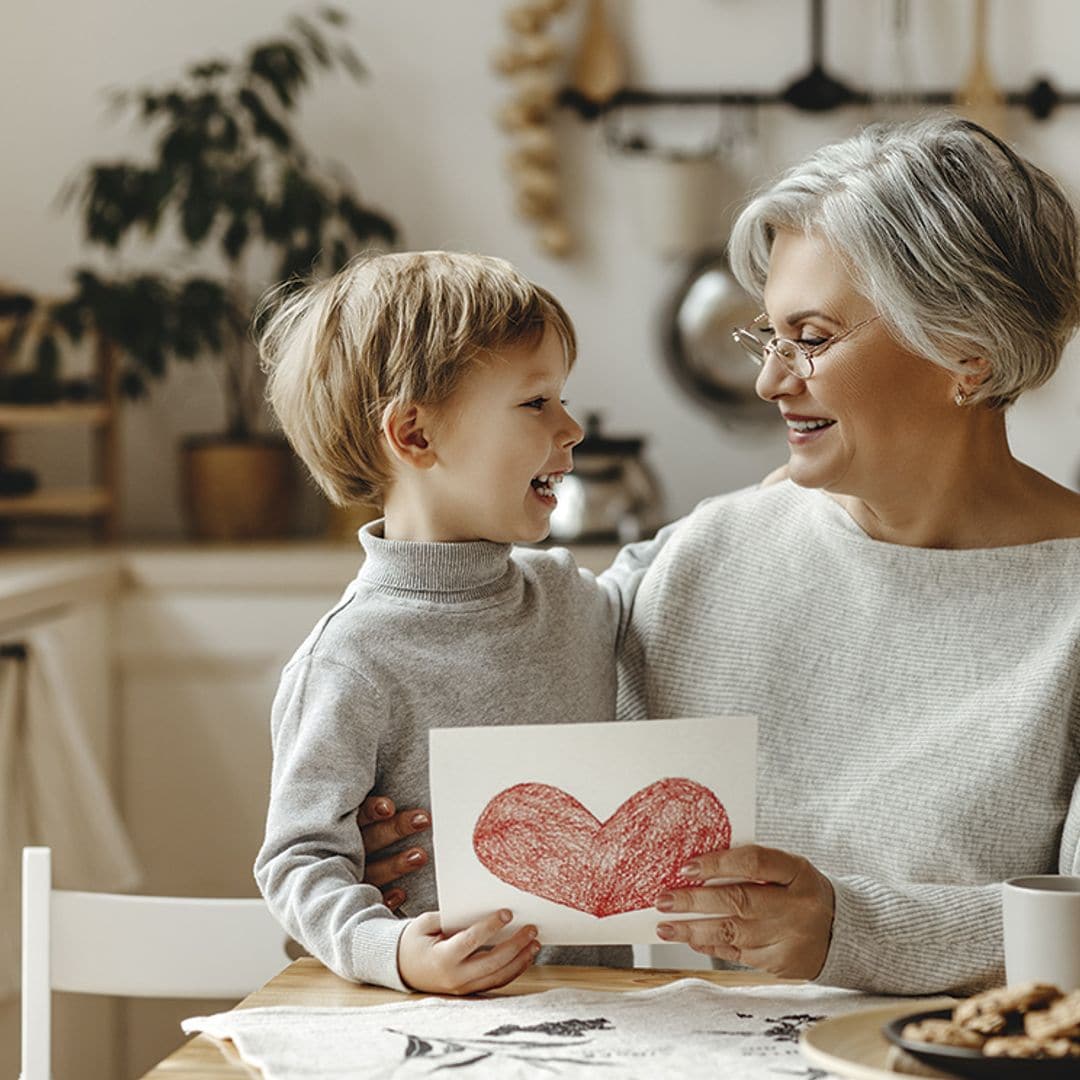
[{"x": 407, "y": 436}]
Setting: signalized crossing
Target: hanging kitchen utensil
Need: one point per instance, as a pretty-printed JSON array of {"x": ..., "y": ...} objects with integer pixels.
[
  {"x": 817, "y": 90},
  {"x": 980, "y": 98},
  {"x": 599, "y": 70},
  {"x": 892, "y": 94},
  {"x": 529, "y": 62},
  {"x": 699, "y": 349}
]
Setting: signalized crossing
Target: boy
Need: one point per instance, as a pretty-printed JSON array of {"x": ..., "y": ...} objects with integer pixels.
[{"x": 430, "y": 382}]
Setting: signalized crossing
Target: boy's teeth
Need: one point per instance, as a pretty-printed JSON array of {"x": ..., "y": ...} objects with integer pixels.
[
  {"x": 547, "y": 480},
  {"x": 545, "y": 484},
  {"x": 808, "y": 425}
]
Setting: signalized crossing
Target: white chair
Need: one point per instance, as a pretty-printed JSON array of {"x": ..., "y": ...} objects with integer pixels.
[{"x": 133, "y": 946}]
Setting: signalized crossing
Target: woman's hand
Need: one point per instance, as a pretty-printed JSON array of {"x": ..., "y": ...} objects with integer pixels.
[
  {"x": 777, "y": 917},
  {"x": 380, "y": 826},
  {"x": 462, "y": 963}
]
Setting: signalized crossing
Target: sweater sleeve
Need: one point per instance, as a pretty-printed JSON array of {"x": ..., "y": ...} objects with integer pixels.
[
  {"x": 914, "y": 938},
  {"x": 310, "y": 869},
  {"x": 924, "y": 938},
  {"x": 622, "y": 578}
]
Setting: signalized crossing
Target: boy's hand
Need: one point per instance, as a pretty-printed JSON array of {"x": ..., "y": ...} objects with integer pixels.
[{"x": 458, "y": 963}]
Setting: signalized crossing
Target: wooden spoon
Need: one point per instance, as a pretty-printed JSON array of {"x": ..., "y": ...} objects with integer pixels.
[
  {"x": 980, "y": 98},
  {"x": 599, "y": 69}
]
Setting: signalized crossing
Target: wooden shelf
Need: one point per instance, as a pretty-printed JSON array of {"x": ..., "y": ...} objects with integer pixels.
[
  {"x": 21, "y": 417},
  {"x": 73, "y": 502},
  {"x": 97, "y": 503}
]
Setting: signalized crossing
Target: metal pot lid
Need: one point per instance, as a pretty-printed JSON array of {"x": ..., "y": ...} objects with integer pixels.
[
  {"x": 701, "y": 354},
  {"x": 595, "y": 442}
]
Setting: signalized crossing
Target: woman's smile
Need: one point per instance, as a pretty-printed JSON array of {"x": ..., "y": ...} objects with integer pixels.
[{"x": 806, "y": 429}]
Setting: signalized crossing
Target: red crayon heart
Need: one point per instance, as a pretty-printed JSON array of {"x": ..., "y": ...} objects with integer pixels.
[{"x": 543, "y": 841}]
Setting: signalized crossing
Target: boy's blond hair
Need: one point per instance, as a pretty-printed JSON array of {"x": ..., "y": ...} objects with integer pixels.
[{"x": 388, "y": 330}]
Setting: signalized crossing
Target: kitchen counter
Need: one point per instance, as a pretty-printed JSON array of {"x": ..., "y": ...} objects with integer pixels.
[{"x": 32, "y": 583}]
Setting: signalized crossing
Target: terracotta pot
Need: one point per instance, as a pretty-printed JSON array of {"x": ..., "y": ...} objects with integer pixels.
[
  {"x": 237, "y": 490},
  {"x": 342, "y": 522}
]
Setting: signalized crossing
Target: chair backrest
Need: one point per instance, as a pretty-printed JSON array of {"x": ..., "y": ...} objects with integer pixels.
[{"x": 133, "y": 946}]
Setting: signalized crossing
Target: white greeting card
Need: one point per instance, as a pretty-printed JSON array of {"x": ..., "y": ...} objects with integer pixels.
[{"x": 579, "y": 827}]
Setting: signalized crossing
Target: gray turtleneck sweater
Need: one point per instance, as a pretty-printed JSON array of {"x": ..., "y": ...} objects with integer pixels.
[{"x": 427, "y": 635}]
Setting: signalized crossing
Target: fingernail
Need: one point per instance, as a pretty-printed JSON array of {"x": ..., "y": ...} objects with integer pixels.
[
  {"x": 392, "y": 899},
  {"x": 420, "y": 820},
  {"x": 691, "y": 870},
  {"x": 665, "y": 902},
  {"x": 531, "y": 932},
  {"x": 414, "y": 857},
  {"x": 534, "y": 948},
  {"x": 665, "y": 931},
  {"x": 505, "y": 916},
  {"x": 382, "y": 808}
]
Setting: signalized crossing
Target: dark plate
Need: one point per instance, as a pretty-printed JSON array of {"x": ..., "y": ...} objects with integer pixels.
[{"x": 964, "y": 1062}]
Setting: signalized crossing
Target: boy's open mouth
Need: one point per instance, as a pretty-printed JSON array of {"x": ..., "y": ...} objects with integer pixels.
[{"x": 544, "y": 484}]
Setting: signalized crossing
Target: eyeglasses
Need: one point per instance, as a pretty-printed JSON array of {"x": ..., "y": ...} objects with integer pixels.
[{"x": 796, "y": 357}]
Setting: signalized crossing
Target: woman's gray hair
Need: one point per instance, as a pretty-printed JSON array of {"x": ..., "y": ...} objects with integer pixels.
[{"x": 964, "y": 247}]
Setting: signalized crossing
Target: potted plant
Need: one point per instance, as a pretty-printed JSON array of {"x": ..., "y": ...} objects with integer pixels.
[{"x": 229, "y": 176}]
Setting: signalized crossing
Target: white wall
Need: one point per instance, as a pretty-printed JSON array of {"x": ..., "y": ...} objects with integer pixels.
[{"x": 421, "y": 142}]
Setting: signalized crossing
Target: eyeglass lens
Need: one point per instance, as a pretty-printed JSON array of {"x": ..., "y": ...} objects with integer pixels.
[{"x": 787, "y": 352}]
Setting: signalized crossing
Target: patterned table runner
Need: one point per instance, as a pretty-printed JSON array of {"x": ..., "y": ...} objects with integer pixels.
[{"x": 687, "y": 1029}]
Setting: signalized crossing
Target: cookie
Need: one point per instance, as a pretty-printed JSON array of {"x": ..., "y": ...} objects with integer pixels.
[
  {"x": 1024, "y": 1046},
  {"x": 989, "y": 1012},
  {"x": 942, "y": 1033},
  {"x": 1060, "y": 1021}
]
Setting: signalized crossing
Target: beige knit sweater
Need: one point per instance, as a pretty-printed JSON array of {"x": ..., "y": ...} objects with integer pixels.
[{"x": 919, "y": 714}]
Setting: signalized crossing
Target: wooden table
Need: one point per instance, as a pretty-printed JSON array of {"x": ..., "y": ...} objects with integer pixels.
[{"x": 307, "y": 982}]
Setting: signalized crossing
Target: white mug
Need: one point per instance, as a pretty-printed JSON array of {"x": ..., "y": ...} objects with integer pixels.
[{"x": 1041, "y": 919}]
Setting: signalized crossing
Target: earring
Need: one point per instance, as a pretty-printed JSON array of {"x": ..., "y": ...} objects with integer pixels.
[{"x": 960, "y": 398}]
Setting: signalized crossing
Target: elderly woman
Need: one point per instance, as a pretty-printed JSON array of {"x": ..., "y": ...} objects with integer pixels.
[{"x": 903, "y": 614}]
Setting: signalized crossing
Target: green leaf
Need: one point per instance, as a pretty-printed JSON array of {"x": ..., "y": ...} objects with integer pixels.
[
  {"x": 303, "y": 203},
  {"x": 115, "y": 197},
  {"x": 198, "y": 211},
  {"x": 264, "y": 123},
  {"x": 363, "y": 223},
  {"x": 203, "y": 311},
  {"x": 299, "y": 260},
  {"x": 281, "y": 67},
  {"x": 132, "y": 384},
  {"x": 13, "y": 346},
  {"x": 235, "y": 238},
  {"x": 208, "y": 70},
  {"x": 47, "y": 357},
  {"x": 239, "y": 187},
  {"x": 316, "y": 44},
  {"x": 334, "y": 16},
  {"x": 69, "y": 316},
  {"x": 351, "y": 62},
  {"x": 180, "y": 147},
  {"x": 175, "y": 103}
]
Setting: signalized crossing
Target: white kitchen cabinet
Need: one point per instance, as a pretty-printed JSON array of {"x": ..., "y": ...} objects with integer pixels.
[
  {"x": 84, "y": 1028},
  {"x": 201, "y": 638}
]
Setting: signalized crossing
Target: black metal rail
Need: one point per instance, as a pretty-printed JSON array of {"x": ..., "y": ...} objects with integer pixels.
[{"x": 816, "y": 91}]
